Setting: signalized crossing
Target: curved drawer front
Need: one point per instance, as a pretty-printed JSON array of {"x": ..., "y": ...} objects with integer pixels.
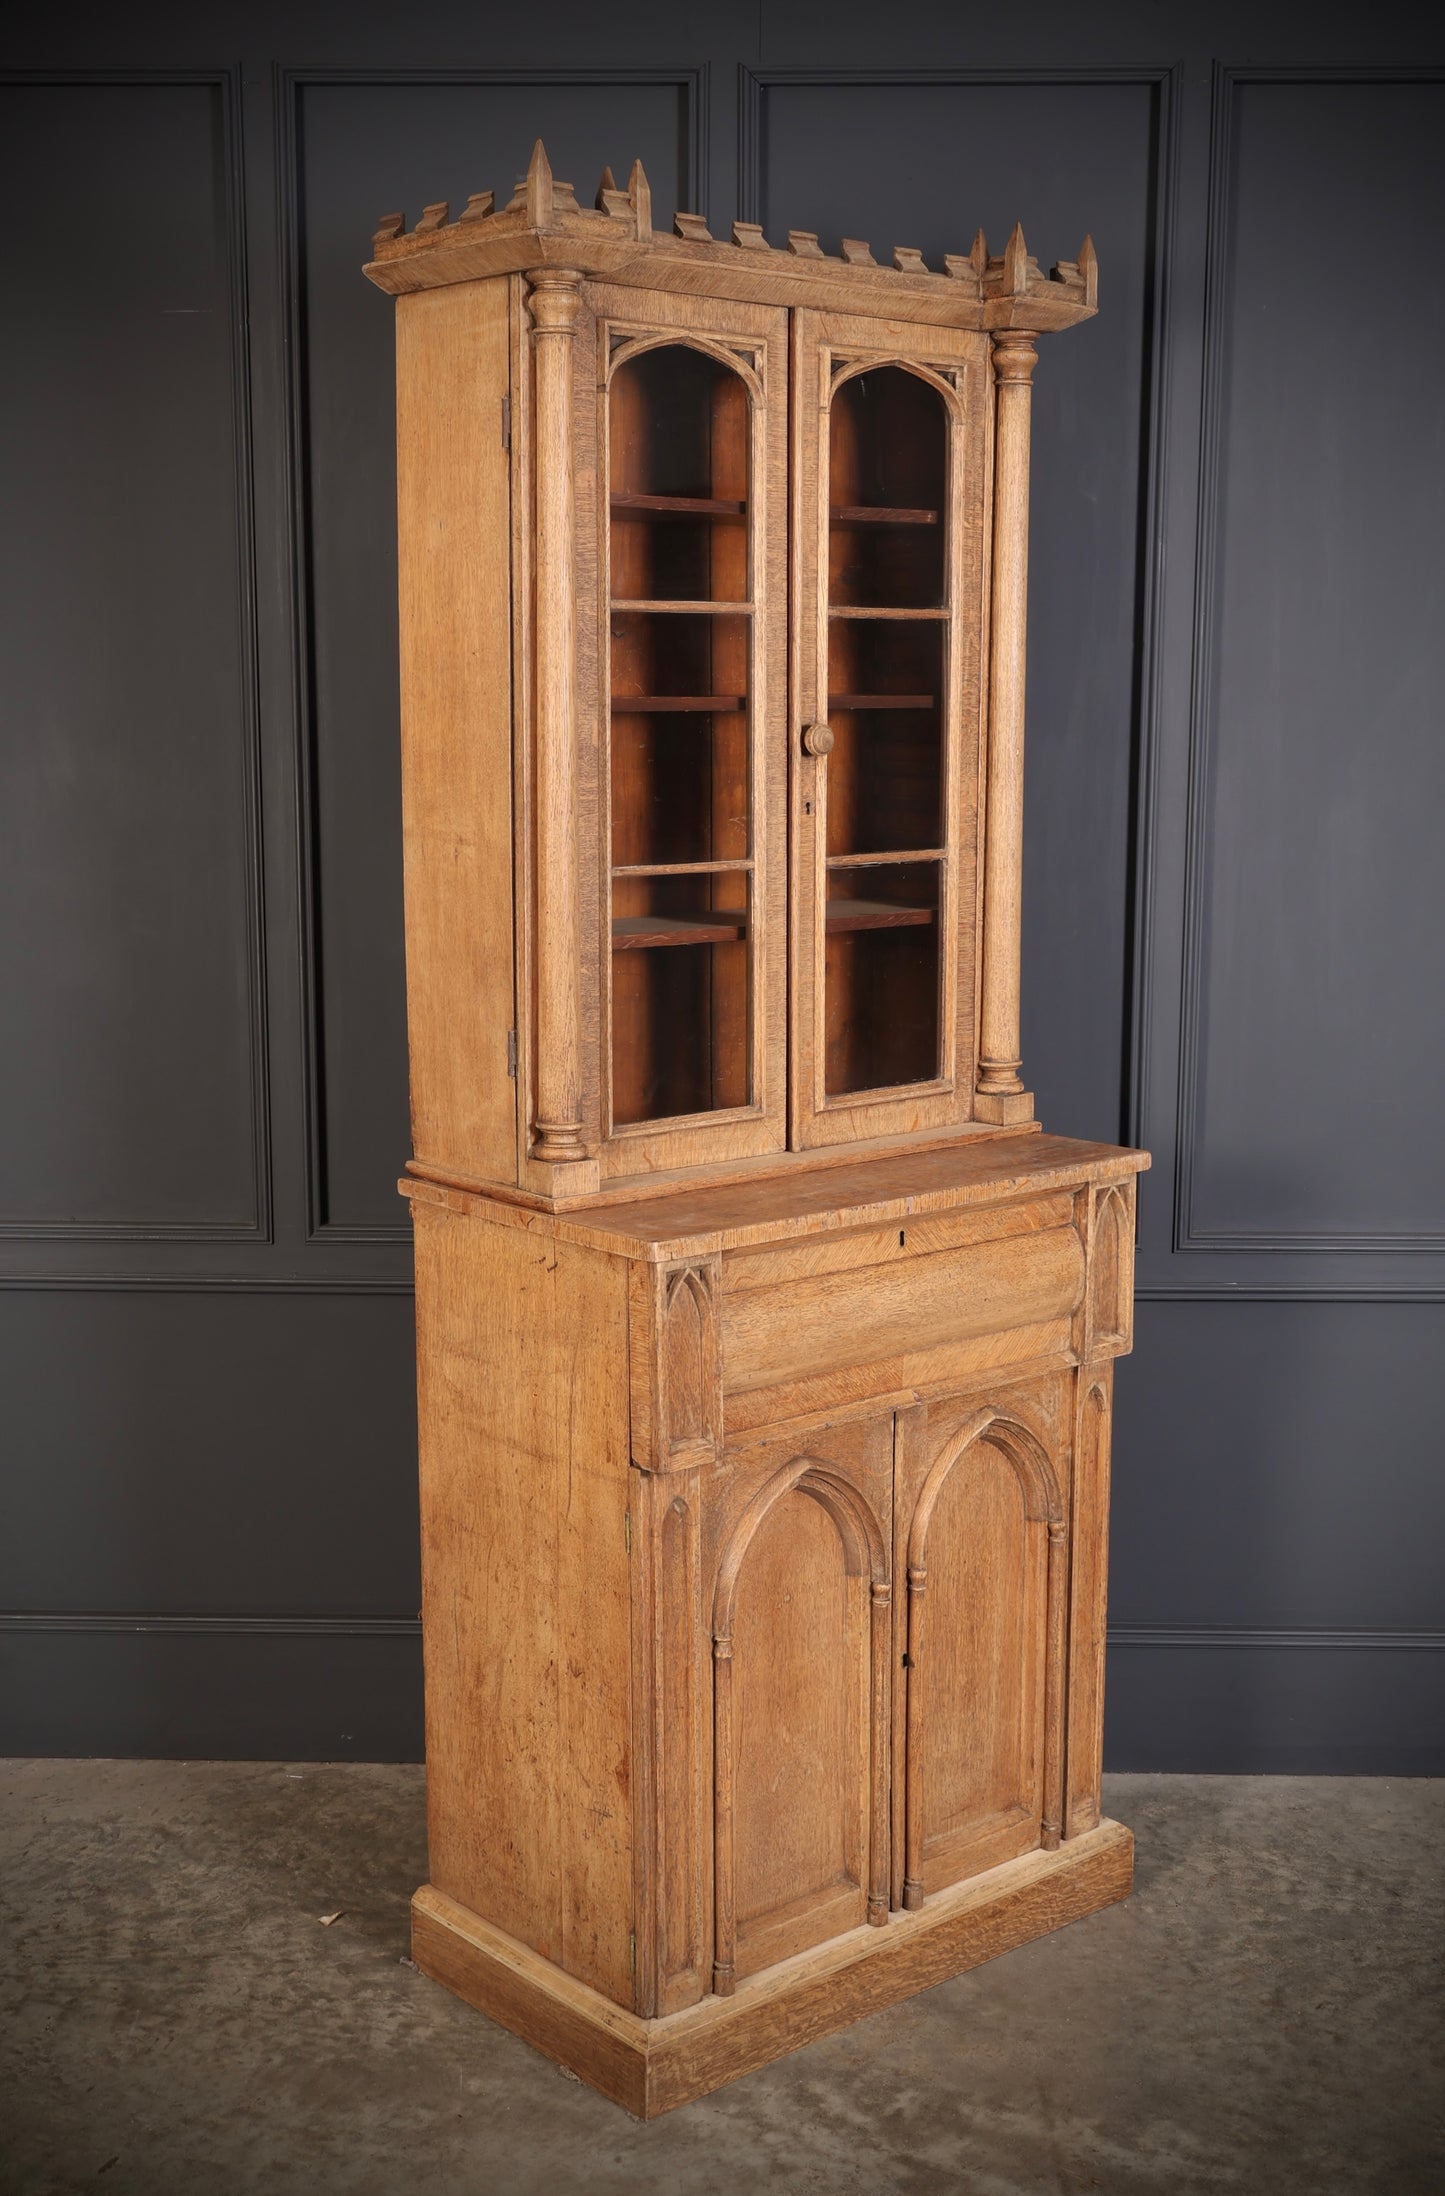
[{"x": 878, "y": 1328}]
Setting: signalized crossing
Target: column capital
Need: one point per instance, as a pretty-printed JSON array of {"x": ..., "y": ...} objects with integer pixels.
[
  {"x": 554, "y": 299},
  {"x": 1014, "y": 358}
]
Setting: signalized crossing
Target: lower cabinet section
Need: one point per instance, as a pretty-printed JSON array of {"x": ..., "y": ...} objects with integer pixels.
[
  {"x": 764, "y": 1674},
  {"x": 877, "y": 1712}
]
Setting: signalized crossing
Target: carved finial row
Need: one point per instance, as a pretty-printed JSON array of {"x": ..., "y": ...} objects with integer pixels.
[{"x": 541, "y": 200}]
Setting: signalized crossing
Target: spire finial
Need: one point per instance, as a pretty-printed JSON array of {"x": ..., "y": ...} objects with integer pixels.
[
  {"x": 1016, "y": 262},
  {"x": 1089, "y": 269},
  {"x": 539, "y": 187},
  {"x": 639, "y": 191}
]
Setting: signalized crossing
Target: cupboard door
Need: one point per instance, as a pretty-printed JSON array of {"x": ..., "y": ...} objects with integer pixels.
[
  {"x": 889, "y": 480},
  {"x": 692, "y": 524},
  {"x": 802, "y": 1643},
  {"x": 982, "y": 1533}
]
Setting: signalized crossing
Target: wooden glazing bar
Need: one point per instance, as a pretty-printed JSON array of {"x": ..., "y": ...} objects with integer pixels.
[
  {"x": 886, "y": 859},
  {"x": 882, "y": 701},
  {"x": 869, "y": 514},
  {"x": 904, "y": 616},
  {"x": 683, "y": 869},
  {"x": 641, "y": 506},
  {"x": 687, "y": 609},
  {"x": 714, "y": 705}
]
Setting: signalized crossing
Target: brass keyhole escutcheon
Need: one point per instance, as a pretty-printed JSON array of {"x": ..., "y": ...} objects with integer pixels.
[{"x": 818, "y": 739}]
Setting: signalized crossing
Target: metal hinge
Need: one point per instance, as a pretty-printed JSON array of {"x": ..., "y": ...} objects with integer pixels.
[
  {"x": 627, "y": 1530},
  {"x": 512, "y": 1052},
  {"x": 506, "y": 423},
  {"x": 632, "y": 1950}
]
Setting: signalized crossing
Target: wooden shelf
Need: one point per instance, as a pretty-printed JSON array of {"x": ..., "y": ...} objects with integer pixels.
[
  {"x": 625, "y": 506},
  {"x": 632, "y": 931},
  {"x": 877, "y": 514},
  {"x": 875, "y": 915},
  {"x": 691, "y": 607},
  {"x": 881, "y": 701},
  {"x": 900, "y": 612},
  {"x": 716, "y": 705}
]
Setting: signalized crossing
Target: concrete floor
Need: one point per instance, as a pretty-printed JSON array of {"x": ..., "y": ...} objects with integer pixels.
[{"x": 1263, "y": 2015}]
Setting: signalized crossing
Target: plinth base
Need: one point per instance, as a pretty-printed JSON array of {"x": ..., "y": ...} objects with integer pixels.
[{"x": 650, "y": 2066}]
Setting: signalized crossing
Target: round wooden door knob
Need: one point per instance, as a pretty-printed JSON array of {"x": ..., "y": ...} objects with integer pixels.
[{"x": 818, "y": 739}]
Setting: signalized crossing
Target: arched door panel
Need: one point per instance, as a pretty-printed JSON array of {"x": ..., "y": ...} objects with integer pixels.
[
  {"x": 802, "y": 1644},
  {"x": 978, "y": 1632},
  {"x": 800, "y": 1730}
]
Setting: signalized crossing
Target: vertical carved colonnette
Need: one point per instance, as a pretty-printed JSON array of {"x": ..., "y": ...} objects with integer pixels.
[
  {"x": 557, "y": 1126},
  {"x": 1055, "y": 1678},
  {"x": 881, "y": 1655},
  {"x": 1000, "y": 1087},
  {"x": 913, "y": 1817},
  {"x": 724, "y": 1971}
]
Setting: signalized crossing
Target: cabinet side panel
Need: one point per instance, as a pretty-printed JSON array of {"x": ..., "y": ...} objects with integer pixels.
[
  {"x": 522, "y": 1389},
  {"x": 453, "y": 522}
]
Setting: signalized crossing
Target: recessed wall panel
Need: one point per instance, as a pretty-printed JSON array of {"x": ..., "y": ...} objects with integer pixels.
[
  {"x": 1317, "y": 1051},
  {"x": 128, "y": 978}
]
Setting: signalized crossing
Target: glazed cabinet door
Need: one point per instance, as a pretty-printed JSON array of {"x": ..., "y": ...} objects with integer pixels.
[
  {"x": 890, "y": 441},
  {"x": 801, "y": 1642},
  {"x": 980, "y": 1536},
  {"x": 691, "y": 424}
]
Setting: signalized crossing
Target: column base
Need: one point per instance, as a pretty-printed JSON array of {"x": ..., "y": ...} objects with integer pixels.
[
  {"x": 1004, "y": 1106},
  {"x": 651, "y": 2066}
]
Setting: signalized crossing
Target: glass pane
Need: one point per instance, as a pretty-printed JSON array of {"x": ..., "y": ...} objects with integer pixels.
[
  {"x": 679, "y": 787},
  {"x": 881, "y": 976},
  {"x": 680, "y": 1006},
  {"x": 885, "y": 705},
  {"x": 679, "y": 744},
  {"x": 678, "y": 432},
  {"x": 887, "y": 686},
  {"x": 887, "y": 471}
]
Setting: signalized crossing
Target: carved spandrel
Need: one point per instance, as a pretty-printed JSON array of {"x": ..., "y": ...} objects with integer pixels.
[
  {"x": 1111, "y": 1271},
  {"x": 676, "y": 1365}
]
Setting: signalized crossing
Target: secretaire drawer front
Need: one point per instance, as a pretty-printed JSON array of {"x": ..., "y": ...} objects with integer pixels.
[{"x": 802, "y": 1328}]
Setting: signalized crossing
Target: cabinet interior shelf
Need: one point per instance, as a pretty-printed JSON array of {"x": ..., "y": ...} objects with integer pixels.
[
  {"x": 716, "y": 705},
  {"x": 630, "y": 506},
  {"x": 881, "y": 701},
  {"x": 631, "y": 932},
  {"x": 874, "y": 915},
  {"x": 877, "y": 514}
]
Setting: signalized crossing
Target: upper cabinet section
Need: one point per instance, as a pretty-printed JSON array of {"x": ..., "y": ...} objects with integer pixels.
[{"x": 713, "y": 571}]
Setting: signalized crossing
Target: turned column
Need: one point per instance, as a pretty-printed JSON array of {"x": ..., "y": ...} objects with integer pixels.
[
  {"x": 1000, "y": 1094},
  {"x": 557, "y": 1121}
]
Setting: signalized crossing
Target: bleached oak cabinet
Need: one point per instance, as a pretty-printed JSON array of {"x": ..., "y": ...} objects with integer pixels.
[{"x": 765, "y": 1344}]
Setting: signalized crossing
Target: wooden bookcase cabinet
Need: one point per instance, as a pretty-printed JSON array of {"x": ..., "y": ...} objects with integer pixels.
[{"x": 764, "y": 1342}]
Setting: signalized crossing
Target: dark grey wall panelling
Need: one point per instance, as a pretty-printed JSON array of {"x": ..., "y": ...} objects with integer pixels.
[
  {"x": 1317, "y": 953},
  {"x": 1233, "y": 919},
  {"x": 130, "y": 976}
]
